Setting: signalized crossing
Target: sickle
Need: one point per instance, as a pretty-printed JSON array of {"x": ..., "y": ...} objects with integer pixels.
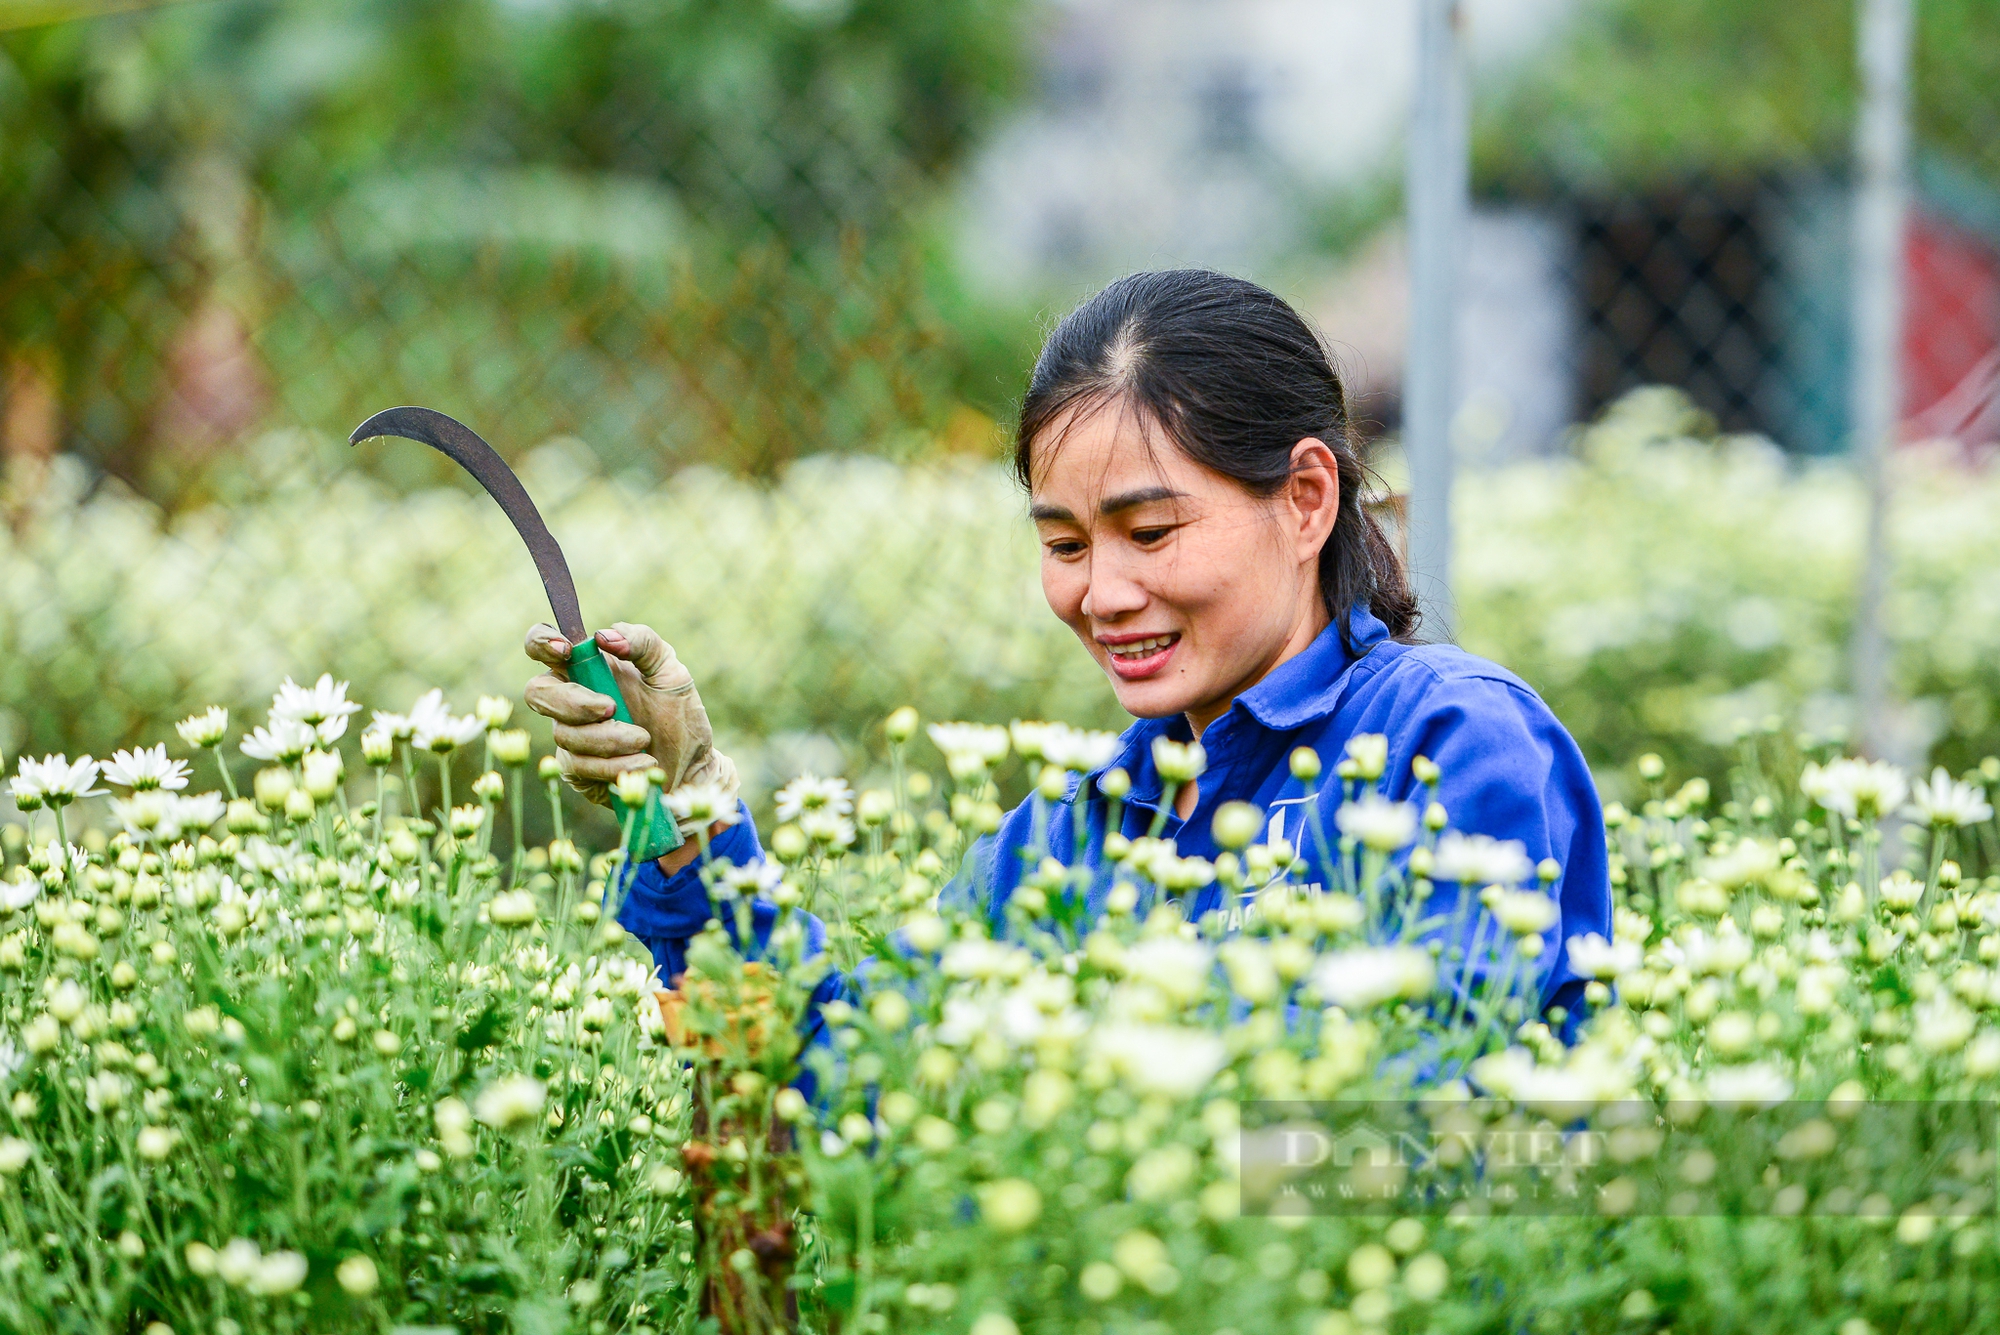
[
  {"x": 462, "y": 445},
  {"x": 652, "y": 831}
]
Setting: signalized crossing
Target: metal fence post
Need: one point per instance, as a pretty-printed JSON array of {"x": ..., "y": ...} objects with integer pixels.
[
  {"x": 1881, "y": 150},
  {"x": 1438, "y": 200}
]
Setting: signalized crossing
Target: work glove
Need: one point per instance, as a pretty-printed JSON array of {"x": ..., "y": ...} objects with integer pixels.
[{"x": 669, "y": 727}]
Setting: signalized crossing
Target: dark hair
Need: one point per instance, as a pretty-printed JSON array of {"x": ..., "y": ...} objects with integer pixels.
[{"x": 1236, "y": 379}]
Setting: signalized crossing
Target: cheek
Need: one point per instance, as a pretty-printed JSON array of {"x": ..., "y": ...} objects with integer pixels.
[
  {"x": 1226, "y": 584},
  {"x": 1203, "y": 578},
  {"x": 1064, "y": 585}
]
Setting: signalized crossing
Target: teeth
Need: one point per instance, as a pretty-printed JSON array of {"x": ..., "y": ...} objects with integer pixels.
[{"x": 1140, "y": 648}]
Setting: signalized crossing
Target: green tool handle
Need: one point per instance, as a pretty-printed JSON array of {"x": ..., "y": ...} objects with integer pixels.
[{"x": 656, "y": 833}]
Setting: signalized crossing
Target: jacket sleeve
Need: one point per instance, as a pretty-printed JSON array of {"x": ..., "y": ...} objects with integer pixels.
[
  {"x": 666, "y": 912},
  {"x": 1508, "y": 769},
  {"x": 659, "y": 905},
  {"x": 992, "y": 865}
]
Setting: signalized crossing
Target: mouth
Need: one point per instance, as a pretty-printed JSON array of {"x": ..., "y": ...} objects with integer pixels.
[{"x": 1137, "y": 656}]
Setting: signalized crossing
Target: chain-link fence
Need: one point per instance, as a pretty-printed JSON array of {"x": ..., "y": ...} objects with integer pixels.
[
  {"x": 1736, "y": 202},
  {"x": 684, "y": 233},
  {"x": 1685, "y": 173}
]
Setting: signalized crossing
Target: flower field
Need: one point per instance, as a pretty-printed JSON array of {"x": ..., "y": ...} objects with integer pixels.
[
  {"x": 1656, "y": 588},
  {"x": 304, "y": 1057}
]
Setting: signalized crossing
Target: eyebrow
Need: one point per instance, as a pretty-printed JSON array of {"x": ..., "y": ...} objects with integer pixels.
[{"x": 1110, "y": 505}]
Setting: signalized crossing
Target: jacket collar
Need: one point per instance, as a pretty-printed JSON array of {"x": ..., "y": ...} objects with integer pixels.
[{"x": 1306, "y": 689}]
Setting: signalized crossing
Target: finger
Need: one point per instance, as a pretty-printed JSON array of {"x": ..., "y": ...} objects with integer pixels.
[
  {"x": 591, "y": 792},
  {"x": 594, "y": 793},
  {"x": 604, "y": 770},
  {"x": 608, "y": 739},
  {"x": 567, "y": 702},
  {"x": 545, "y": 644},
  {"x": 652, "y": 656}
]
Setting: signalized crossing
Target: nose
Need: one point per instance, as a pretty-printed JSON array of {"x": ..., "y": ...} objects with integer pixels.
[{"x": 1113, "y": 591}]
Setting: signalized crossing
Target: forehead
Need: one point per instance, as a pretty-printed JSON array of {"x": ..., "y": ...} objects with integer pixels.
[{"x": 1106, "y": 449}]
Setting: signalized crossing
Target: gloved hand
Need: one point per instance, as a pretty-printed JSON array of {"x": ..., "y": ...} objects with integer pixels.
[{"x": 669, "y": 728}]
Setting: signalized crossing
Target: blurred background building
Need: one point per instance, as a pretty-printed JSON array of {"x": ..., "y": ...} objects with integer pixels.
[{"x": 1259, "y": 135}]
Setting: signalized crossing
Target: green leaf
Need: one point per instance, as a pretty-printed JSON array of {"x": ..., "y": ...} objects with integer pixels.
[
  {"x": 484, "y": 1031},
  {"x": 541, "y": 1316}
]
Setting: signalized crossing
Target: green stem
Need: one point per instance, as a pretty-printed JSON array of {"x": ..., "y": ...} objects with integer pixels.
[
  {"x": 444, "y": 788},
  {"x": 1871, "y": 862},
  {"x": 864, "y": 1261},
  {"x": 1937, "y": 860},
  {"x": 555, "y": 806},
  {"x": 228, "y": 781},
  {"x": 410, "y": 781},
  {"x": 613, "y": 902},
  {"x": 520, "y": 847},
  {"x": 62, "y": 848}
]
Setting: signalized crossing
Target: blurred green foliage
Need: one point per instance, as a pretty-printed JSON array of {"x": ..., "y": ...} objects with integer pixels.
[
  {"x": 1668, "y": 586},
  {"x": 1647, "y": 90},
  {"x": 696, "y": 230}
]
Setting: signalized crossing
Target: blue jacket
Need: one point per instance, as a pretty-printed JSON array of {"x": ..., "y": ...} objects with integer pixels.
[{"x": 1508, "y": 770}]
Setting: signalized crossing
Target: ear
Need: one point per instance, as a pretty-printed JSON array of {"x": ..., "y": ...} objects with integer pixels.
[{"x": 1314, "y": 495}]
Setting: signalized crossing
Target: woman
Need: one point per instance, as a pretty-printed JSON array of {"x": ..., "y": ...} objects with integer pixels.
[{"x": 1186, "y": 449}]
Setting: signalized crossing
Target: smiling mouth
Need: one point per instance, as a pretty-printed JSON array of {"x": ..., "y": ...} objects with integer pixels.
[{"x": 1141, "y": 657}]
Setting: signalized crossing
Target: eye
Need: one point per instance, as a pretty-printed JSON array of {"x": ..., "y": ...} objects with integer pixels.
[
  {"x": 1146, "y": 537},
  {"x": 1062, "y": 546}
]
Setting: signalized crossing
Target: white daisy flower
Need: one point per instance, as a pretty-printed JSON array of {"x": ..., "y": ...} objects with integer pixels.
[
  {"x": 1945, "y": 801},
  {"x": 511, "y": 1102},
  {"x": 969, "y": 748},
  {"x": 1759, "y": 1083},
  {"x": 397, "y": 727},
  {"x": 827, "y": 827},
  {"x": 1368, "y": 753},
  {"x": 749, "y": 879},
  {"x": 1942, "y": 1025},
  {"x": 1525, "y": 912},
  {"x": 378, "y": 743},
  {"x": 1031, "y": 737},
  {"x": 283, "y": 740},
  {"x": 55, "y": 780},
  {"x": 1171, "y": 1060},
  {"x": 205, "y": 729},
  {"x": 1591, "y": 956},
  {"x": 810, "y": 793},
  {"x": 433, "y": 727},
  {"x": 1080, "y": 750},
  {"x": 17, "y": 894},
  {"x": 148, "y": 767},
  {"x": 191, "y": 815},
  {"x": 142, "y": 812},
  {"x": 1858, "y": 789},
  {"x": 1476, "y": 859},
  {"x": 699, "y": 805},
  {"x": 1377, "y": 822},
  {"x": 1370, "y": 975},
  {"x": 1179, "y": 762},
  {"x": 323, "y": 706},
  {"x": 1180, "y": 969}
]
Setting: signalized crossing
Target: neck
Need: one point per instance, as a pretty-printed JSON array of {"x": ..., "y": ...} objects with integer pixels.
[{"x": 1306, "y": 628}]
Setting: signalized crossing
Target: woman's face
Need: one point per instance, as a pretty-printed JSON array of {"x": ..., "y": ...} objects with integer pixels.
[{"x": 1183, "y": 586}]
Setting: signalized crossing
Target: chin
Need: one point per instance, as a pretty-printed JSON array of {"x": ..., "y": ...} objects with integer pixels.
[{"x": 1147, "y": 699}]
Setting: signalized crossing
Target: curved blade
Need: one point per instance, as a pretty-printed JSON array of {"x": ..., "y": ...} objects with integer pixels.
[{"x": 462, "y": 445}]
